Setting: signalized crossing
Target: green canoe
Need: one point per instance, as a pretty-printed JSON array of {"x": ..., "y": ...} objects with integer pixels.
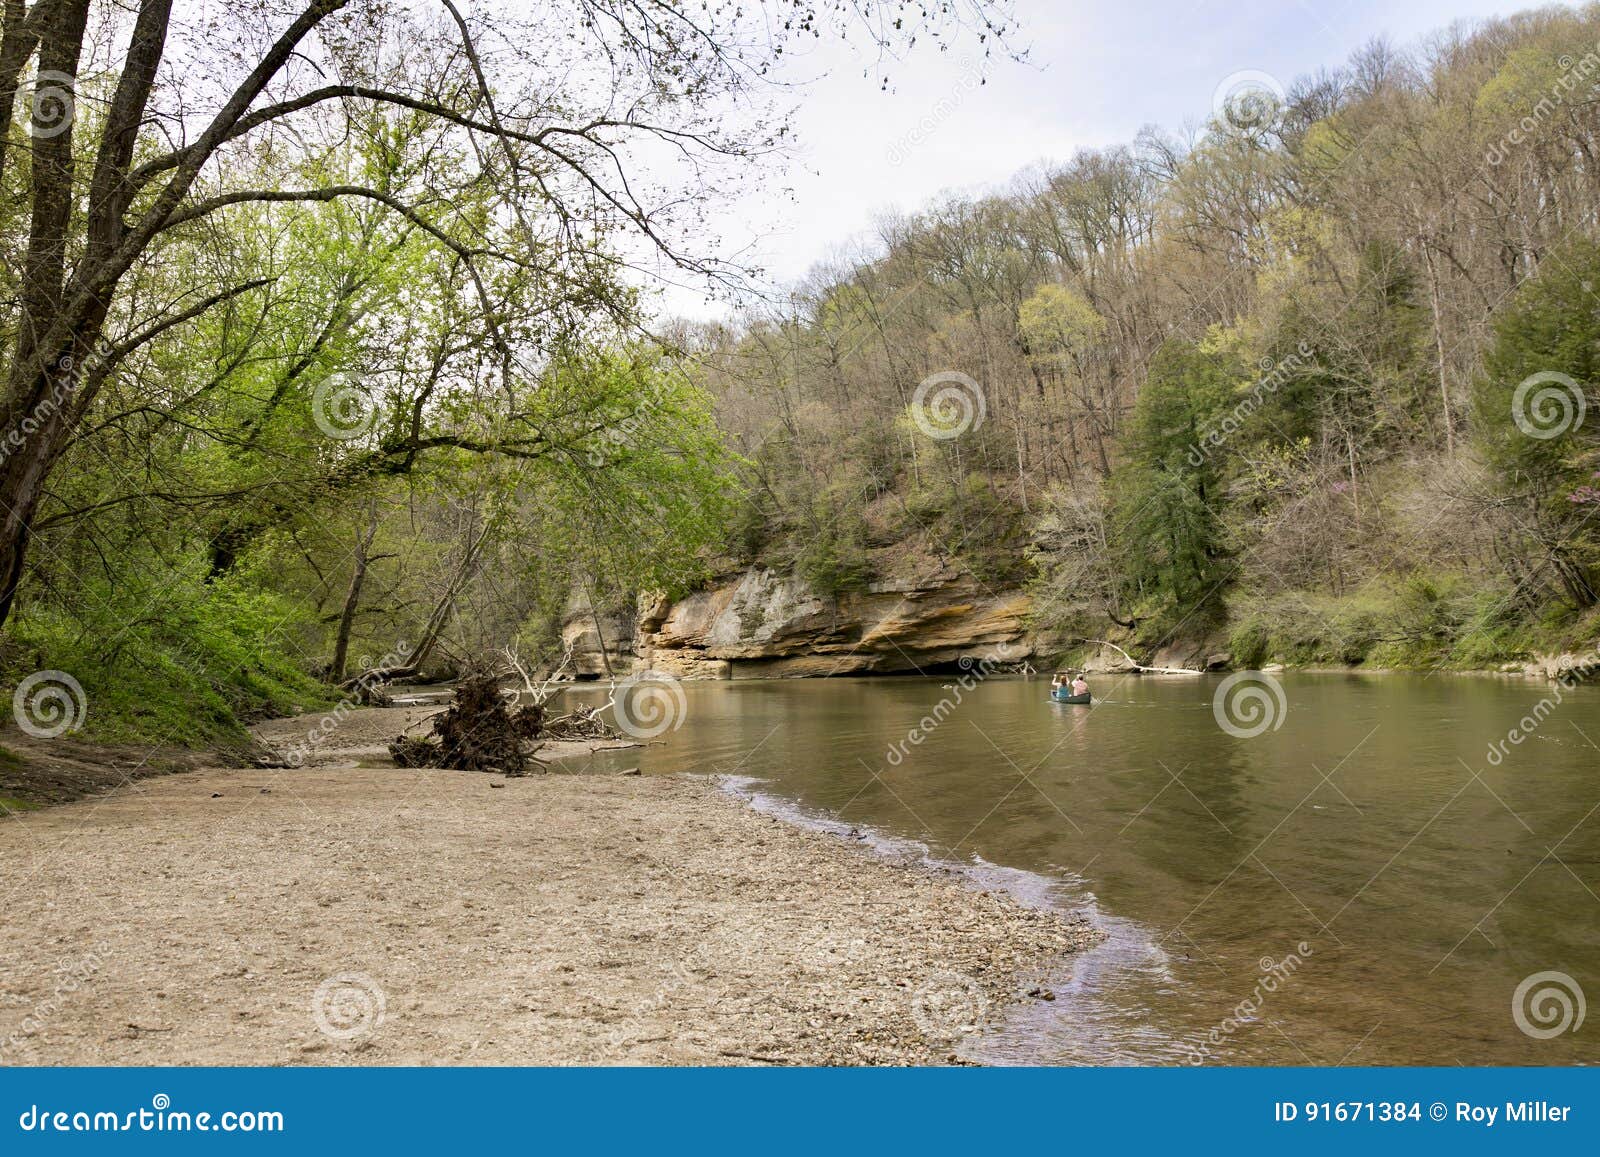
[{"x": 1068, "y": 697}]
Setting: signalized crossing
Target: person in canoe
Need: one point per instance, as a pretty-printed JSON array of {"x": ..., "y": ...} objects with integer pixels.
[{"x": 1069, "y": 688}]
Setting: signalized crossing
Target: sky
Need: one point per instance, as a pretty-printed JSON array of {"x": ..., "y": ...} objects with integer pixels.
[{"x": 1096, "y": 72}]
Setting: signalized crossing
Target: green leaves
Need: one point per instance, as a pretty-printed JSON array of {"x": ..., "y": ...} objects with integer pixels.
[
  {"x": 1537, "y": 403},
  {"x": 1167, "y": 530}
]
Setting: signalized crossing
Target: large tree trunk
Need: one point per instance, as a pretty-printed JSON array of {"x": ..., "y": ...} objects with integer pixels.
[
  {"x": 352, "y": 599},
  {"x": 21, "y": 486},
  {"x": 55, "y": 363},
  {"x": 38, "y": 398},
  {"x": 16, "y": 45},
  {"x": 61, "y": 319}
]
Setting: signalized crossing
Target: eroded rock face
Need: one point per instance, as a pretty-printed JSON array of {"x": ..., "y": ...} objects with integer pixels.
[
  {"x": 585, "y": 633},
  {"x": 761, "y": 623}
]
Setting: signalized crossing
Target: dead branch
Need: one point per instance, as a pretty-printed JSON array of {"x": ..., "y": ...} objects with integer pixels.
[{"x": 1140, "y": 667}]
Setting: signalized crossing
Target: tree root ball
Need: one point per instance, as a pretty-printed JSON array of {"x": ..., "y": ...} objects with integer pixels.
[{"x": 481, "y": 730}]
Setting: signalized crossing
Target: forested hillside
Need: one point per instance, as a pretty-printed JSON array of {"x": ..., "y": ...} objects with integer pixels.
[{"x": 1312, "y": 376}]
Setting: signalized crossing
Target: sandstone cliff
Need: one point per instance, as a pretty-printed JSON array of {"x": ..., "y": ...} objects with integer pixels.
[{"x": 760, "y": 623}]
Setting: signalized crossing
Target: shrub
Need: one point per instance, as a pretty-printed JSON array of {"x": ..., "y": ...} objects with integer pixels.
[{"x": 178, "y": 661}]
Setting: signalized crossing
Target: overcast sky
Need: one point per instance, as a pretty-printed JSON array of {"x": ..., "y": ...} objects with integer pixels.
[{"x": 1097, "y": 71}]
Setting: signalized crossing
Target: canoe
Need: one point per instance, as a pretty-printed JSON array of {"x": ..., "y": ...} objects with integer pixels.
[{"x": 1059, "y": 697}]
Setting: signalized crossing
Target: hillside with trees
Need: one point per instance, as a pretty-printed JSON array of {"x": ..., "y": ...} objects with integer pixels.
[{"x": 1311, "y": 378}]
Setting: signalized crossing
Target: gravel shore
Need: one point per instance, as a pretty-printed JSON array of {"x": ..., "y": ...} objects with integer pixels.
[{"x": 366, "y": 915}]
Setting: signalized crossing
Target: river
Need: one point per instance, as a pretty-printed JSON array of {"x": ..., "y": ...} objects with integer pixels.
[{"x": 1345, "y": 876}]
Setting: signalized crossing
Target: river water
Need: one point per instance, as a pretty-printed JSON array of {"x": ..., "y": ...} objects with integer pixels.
[{"x": 1359, "y": 883}]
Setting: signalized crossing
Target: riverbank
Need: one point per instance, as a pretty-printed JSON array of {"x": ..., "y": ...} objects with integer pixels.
[
  {"x": 924, "y": 614},
  {"x": 348, "y": 914}
]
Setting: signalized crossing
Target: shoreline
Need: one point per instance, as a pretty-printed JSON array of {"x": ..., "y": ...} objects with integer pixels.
[
  {"x": 40, "y": 773},
  {"x": 368, "y": 915}
]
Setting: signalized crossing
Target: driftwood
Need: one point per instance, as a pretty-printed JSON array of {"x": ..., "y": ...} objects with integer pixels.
[
  {"x": 541, "y": 692},
  {"x": 1140, "y": 667},
  {"x": 370, "y": 682},
  {"x": 480, "y": 731},
  {"x": 579, "y": 723},
  {"x": 489, "y": 728}
]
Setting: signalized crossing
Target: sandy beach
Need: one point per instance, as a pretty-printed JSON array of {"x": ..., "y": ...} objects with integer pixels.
[{"x": 340, "y": 913}]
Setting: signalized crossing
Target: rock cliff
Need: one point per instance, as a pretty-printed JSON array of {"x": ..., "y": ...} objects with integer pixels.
[{"x": 761, "y": 623}]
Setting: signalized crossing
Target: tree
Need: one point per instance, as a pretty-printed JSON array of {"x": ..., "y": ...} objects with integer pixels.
[
  {"x": 1537, "y": 412},
  {"x": 1060, "y": 330},
  {"x": 515, "y": 178},
  {"x": 1166, "y": 496}
]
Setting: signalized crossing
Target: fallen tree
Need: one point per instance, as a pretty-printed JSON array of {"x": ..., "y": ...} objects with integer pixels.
[
  {"x": 1140, "y": 667},
  {"x": 481, "y": 730},
  {"x": 490, "y": 728}
]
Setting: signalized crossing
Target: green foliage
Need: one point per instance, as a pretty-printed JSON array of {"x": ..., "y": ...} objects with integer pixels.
[
  {"x": 655, "y": 490},
  {"x": 1059, "y": 326},
  {"x": 1551, "y": 326},
  {"x": 607, "y": 467},
  {"x": 830, "y": 553},
  {"x": 1165, "y": 524},
  {"x": 1213, "y": 381},
  {"x": 1423, "y": 621},
  {"x": 834, "y": 562},
  {"x": 993, "y": 534},
  {"x": 166, "y": 658},
  {"x": 1249, "y": 644},
  {"x": 1537, "y": 416}
]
